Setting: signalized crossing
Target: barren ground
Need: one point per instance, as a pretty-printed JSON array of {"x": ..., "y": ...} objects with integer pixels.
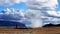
[{"x": 42, "y": 30}]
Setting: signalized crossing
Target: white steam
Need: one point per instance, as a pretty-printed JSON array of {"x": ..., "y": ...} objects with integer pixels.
[
  {"x": 40, "y": 9},
  {"x": 39, "y": 12}
]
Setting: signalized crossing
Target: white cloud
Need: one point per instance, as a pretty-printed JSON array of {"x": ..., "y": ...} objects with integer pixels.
[
  {"x": 39, "y": 12},
  {"x": 44, "y": 12},
  {"x": 18, "y": 1},
  {"x": 12, "y": 1},
  {"x": 40, "y": 4},
  {"x": 11, "y": 15},
  {"x": 54, "y": 13},
  {"x": 7, "y": 3}
]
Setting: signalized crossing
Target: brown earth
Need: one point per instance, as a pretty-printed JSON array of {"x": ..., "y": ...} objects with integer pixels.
[{"x": 42, "y": 30}]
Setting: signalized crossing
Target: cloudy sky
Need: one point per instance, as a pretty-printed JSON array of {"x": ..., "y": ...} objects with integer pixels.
[{"x": 34, "y": 12}]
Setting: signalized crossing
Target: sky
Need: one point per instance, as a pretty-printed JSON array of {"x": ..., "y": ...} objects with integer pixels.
[
  {"x": 58, "y": 9},
  {"x": 36, "y": 12},
  {"x": 22, "y": 5}
]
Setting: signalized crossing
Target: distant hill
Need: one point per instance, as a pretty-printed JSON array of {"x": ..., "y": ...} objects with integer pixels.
[
  {"x": 11, "y": 23},
  {"x": 51, "y": 25}
]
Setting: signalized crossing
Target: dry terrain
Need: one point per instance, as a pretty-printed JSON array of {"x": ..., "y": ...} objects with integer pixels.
[{"x": 42, "y": 30}]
